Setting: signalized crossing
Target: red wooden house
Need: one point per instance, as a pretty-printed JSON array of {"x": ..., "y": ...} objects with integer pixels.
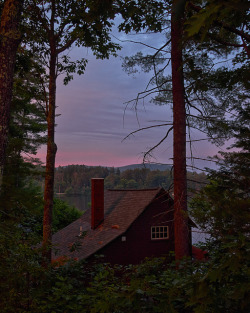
[{"x": 124, "y": 226}]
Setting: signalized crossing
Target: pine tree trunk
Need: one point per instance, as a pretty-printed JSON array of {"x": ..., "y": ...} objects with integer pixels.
[
  {"x": 10, "y": 39},
  {"x": 50, "y": 164},
  {"x": 182, "y": 242},
  {"x": 51, "y": 147}
]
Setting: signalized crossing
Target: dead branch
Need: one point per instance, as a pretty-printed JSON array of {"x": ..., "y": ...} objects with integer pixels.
[
  {"x": 206, "y": 139},
  {"x": 144, "y": 128},
  {"x": 157, "y": 145},
  {"x": 139, "y": 42}
]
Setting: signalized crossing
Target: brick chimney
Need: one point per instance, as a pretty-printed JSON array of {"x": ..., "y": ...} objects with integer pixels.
[{"x": 97, "y": 202}]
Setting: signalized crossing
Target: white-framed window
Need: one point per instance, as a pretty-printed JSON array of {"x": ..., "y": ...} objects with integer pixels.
[{"x": 159, "y": 232}]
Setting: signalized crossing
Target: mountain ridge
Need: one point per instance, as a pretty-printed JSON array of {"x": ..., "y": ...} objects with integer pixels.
[{"x": 151, "y": 166}]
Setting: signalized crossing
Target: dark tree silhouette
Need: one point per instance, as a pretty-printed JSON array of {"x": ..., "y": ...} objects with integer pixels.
[{"x": 10, "y": 38}]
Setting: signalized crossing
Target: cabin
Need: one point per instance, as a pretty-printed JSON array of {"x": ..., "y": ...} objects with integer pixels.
[{"x": 124, "y": 226}]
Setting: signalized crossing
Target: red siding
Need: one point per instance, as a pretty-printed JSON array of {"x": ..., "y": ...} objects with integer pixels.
[{"x": 138, "y": 244}]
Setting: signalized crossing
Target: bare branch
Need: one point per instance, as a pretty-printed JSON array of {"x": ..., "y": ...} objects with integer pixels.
[
  {"x": 193, "y": 140},
  {"x": 157, "y": 145},
  {"x": 206, "y": 118},
  {"x": 67, "y": 45},
  {"x": 197, "y": 168},
  {"x": 144, "y": 128},
  {"x": 196, "y": 181},
  {"x": 146, "y": 94},
  {"x": 140, "y": 43},
  {"x": 208, "y": 160},
  {"x": 193, "y": 106}
]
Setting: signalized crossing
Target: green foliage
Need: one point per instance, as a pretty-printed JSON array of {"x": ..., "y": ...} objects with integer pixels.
[
  {"x": 75, "y": 23},
  {"x": 20, "y": 198},
  {"x": 212, "y": 11},
  {"x": 19, "y": 267},
  {"x": 141, "y": 14},
  {"x": 156, "y": 285},
  {"x": 63, "y": 215},
  {"x": 222, "y": 207},
  {"x": 222, "y": 210}
]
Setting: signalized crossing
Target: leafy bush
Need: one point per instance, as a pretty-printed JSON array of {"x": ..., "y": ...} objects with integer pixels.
[{"x": 63, "y": 214}]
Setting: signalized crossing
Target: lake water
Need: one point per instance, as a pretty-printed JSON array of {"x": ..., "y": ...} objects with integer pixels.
[{"x": 81, "y": 202}]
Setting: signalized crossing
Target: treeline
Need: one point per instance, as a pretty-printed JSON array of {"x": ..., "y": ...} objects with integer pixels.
[{"x": 76, "y": 179}]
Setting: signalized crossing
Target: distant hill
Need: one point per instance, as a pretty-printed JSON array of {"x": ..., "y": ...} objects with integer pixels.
[{"x": 152, "y": 167}]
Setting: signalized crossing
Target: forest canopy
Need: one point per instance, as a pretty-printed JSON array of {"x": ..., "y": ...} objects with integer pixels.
[{"x": 75, "y": 179}]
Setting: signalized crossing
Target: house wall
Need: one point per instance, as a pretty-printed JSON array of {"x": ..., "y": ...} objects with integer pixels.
[{"x": 138, "y": 244}]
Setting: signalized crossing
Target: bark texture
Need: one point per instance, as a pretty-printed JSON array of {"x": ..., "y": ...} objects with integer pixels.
[
  {"x": 182, "y": 240},
  {"x": 10, "y": 38},
  {"x": 51, "y": 156}
]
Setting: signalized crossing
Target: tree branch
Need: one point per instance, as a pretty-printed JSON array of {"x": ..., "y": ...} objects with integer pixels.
[
  {"x": 138, "y": 42},
  {"x": 231, "y": 29},
  {"x": 157, "y": 145},
  {"x": 144, "y": 128}
]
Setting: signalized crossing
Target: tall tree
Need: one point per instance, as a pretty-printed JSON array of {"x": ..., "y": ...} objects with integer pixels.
[
  {"x": 59, "y": 25},
  {"x": 202, "y": 90},
  {"x": 10, "y": 38},
  {"x": 26, "y": 133},
  {"x": 176, "y": 16},
  {"x": 182, "y": 244},
  {"x": 21, "y": 200}
]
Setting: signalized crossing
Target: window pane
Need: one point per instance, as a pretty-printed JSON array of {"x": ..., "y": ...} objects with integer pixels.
[{"x": 159, "y": 232}]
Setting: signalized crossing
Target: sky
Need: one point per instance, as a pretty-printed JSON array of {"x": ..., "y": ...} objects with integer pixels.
[{"x": 94, "y": 117}]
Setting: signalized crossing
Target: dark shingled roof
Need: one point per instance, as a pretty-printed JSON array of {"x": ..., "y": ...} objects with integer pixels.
[{"x": 121, "y": 209}]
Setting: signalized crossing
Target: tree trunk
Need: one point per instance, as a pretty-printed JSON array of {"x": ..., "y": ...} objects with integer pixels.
[
  {"x": 10, "y": 39},
  {"x": 51, "y": 147},
  {"x": 50, "y": 164},
  {"x": 182, "y": 242}
]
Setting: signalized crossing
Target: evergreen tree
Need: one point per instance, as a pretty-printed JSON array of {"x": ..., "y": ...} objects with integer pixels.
[
  {"x": 222, "y": 211},
  {"x": 10, "y": 38},
  {"x": 27, "y": 128},
  {"x": 21, "y": 199},
  {"x": 222, "y": 208}
]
